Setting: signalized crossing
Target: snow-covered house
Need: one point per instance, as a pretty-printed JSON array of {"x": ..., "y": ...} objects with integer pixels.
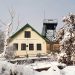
[{"x": 28, "y": 41}]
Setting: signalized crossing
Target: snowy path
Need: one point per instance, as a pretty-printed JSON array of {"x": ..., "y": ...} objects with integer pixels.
[{"x": 7, "y": 68}]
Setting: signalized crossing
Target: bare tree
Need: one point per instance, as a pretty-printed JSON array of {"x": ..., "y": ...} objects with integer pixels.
[
  {"x": 7, "y": 32},
  {"x": 10, "y": 52},
  {"x": 1, "y": 41}
]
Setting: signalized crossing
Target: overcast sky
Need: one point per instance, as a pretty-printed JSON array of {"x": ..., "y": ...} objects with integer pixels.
[{"x": 32, "y": 11}]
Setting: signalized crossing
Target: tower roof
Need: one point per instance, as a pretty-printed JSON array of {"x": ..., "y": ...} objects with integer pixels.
[{"x": 50, "y": 21}]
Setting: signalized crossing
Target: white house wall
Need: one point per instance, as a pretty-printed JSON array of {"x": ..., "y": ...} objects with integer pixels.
[{"x": 35, "y": 39}]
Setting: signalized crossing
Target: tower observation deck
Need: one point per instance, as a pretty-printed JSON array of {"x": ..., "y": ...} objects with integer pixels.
[{"x": 49, "y": 28}]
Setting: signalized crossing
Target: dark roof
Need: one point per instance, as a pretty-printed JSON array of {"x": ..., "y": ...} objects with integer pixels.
[{"x": 28, "y": 26}]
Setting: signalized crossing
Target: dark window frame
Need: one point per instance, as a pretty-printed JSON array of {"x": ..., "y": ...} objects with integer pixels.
[
  {"x": 23, "y": 46},
  {"x": 16, "y": 46},
  {"x": 31, "y": 47},
  {"x": 39, "y": 47},
  {"x": 27, "y": 34}
]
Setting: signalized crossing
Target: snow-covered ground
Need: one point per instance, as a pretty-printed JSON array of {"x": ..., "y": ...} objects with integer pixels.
[
  {"x": 69, "y": 70},
  {"x": 7, "y": 68}
]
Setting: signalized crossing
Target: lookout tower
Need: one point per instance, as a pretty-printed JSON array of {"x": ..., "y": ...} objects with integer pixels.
[{"x": 49, "y": 28}]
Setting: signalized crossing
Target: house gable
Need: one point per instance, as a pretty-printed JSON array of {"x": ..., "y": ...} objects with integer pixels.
[{"x": 27, "y": 27}]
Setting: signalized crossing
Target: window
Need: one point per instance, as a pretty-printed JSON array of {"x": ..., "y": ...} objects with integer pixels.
[
  {"x": 23, "y": 46},
  {"x": 38, "y": 46},
  {"x": 31, "y": 46},
  {"x": 27, "y": 34},
  {"x": 15, "y": 45}
]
